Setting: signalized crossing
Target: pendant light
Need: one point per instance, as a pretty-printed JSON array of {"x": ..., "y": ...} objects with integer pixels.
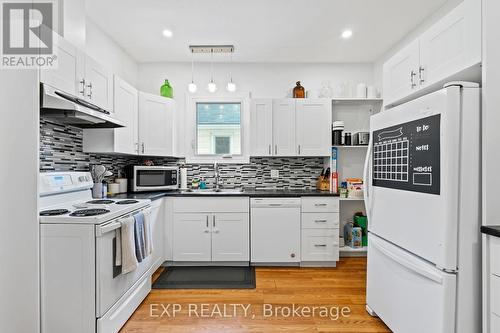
[
  {"x": 192, "y": 86},
  {"x": 212, "y": 87},
  {"x": 231, "y": 86}
]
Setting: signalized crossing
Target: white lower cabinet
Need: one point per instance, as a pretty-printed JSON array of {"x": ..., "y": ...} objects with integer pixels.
[
  {"x": 320, "y": 231},
  {"x": 209, "y": 235},
  {"x": 193, "y": 238}
]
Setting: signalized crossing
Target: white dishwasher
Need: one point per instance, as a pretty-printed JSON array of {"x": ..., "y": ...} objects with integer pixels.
[{"x": 275, "y": 230}]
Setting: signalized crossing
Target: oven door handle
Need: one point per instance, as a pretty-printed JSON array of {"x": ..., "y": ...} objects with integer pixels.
[{"x": 104, "y": 229}]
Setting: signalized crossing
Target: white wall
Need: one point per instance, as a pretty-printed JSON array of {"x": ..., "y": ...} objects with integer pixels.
[
  {"x": 19, "y": 236},
  {"x": 260, "y": 79},
  {"x": 106, "y": 51},
  {"x": 445, "y": 9}
]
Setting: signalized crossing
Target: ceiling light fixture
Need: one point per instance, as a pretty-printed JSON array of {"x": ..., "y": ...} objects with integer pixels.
[
  {"x": 346, "y": 34},
  {"x": 212, "y": 87},
  {"x": 167, "y": 33},
  {"x": 192, "y": 86},
  {"x": 231, "y": 86}
]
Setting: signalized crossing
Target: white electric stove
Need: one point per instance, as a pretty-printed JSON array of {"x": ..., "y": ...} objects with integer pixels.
[
  {"x": 66, "y": 197},
  {"x": 82, "y": 287}
]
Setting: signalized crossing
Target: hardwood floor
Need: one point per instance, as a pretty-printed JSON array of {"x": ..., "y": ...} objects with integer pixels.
[{"x": 333, "y": 288}]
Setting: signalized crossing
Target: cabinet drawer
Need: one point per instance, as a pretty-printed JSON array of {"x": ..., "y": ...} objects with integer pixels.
[
  {"x": 494, "y": 255},
  {"x": 320, "y": 205},
  {"x": 495, "y": 294},
  {"x": 211, "y": 205},
  {"x": 320, "y": 245},
  {"x": 320, "y": 220}
]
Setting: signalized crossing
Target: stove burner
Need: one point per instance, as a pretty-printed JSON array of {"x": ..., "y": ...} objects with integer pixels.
[
  {"x": 53, "y": 212},
  {"x": 101, "y": 202},
  {"x": 127, "y": 202},
  {"x": 89, "y": 212}
]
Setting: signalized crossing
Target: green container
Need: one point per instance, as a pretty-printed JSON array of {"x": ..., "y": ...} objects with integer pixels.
[
  {"x": 166, "y": 90},
  {"x": 362, "y": 221}
]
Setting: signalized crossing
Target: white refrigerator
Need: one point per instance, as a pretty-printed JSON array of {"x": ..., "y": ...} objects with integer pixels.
[{"x": 423, "y": 204}]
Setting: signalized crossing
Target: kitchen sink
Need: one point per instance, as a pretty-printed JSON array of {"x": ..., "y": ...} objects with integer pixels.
[{"x": 214, "y": 191}]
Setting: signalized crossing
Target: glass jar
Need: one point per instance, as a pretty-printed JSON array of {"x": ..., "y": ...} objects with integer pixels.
[
  {"x": 299, "y": 91},
  {"x": 166, "y": 90}
]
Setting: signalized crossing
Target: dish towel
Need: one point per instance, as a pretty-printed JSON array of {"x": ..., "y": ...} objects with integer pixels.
[
  {"x": 140, "y": 249},
  {"x": 129, "y": 260},
  {"x": 148, "y": 232}
]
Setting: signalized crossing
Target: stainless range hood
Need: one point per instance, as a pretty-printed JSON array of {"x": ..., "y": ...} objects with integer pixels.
[{"x": 71, "y": 110}]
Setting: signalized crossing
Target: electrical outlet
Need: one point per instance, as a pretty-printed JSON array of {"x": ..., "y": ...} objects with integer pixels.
[{"x": 275, "y": 173}]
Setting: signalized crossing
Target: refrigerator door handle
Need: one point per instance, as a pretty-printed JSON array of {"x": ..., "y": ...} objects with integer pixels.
[
  {"x": 405, "y": 263},
  {"x": 366, "y": 177}
]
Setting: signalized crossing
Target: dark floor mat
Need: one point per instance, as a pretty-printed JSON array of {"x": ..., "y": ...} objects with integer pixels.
[{"x": 206, "y": 277}]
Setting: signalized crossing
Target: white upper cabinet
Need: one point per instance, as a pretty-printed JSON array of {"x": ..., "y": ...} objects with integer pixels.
[
  {"x": 290, "y": 127},
  {"x": 123, "y": 140},
  {"x": 68, "y": 75},
  {"x": 98, "y": 84},
  {"x": 313, "y": 127},
  {"x": 261, "y": 127},
  {"x": 126, "y": 109},
  {"x": 441, "y": 53},
  {"x": 401, "y": 71},
  {"x": 284, "y": 127},
  {"x": 450, "y": 46},
  {"x": 156, "y": 125}
]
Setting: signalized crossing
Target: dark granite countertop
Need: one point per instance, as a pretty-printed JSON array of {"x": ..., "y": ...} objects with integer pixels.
[
  {"x": 492, "y": 230},
  {"x": 244, "y": 193}
]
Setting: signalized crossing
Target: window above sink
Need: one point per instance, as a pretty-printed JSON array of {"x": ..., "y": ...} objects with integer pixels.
[{"x": 217, "y": 129}]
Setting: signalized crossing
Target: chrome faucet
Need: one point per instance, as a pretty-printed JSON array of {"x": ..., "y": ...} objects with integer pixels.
[{"x": 216, "y": 176}]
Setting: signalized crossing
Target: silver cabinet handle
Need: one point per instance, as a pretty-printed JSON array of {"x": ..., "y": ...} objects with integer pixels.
[
  {"x": 270, "y": 151},
  {"x": 320, "y": 221},
  {"x": 320, "y": 205},
  {"x": 89, "y": 95},
  {"x": 143, "y": 147},
  {"x": 137, "y": 147},
  {"x": 207, "y": 230},
  {"x": 299, "y": 149},
  {"x": 275, "y": 149},
  {"x": 213, "y": 221},
  {"x": 421, "y": 70},
  {"x": 412, "y": 75},
  {"x": 82, "y": 82},
  {"x": 320, "y": 245}
]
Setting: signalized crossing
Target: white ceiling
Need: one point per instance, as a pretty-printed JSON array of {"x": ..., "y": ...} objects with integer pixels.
[{"x": 261, "y": 30}]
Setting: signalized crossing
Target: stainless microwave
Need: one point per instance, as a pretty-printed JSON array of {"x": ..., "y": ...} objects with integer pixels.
[{"x": 152, "y": 178}]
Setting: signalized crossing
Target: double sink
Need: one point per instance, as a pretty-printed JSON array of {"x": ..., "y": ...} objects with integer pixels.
[{"x": 214, "y": 191}]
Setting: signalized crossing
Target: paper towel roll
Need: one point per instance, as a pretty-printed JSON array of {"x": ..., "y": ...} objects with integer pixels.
[
  {"x": 183, "y": 176},
  {"x": 123, "y": 185}
]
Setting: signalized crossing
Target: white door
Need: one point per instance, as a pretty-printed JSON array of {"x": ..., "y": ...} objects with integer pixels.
[
  {"x": 400, "y": 73},
  {"x": 98, "y": 84},
  {"x": 69, "y": 73},
  {"x": 261, "y": 127},
  {"x": 313, "y": 127},
  {"x": 193, "y": 238},
  {"x": 449, "y": 46},
  {"x": 156, "y": 125},
  {"x": 407, "y": 293},
  {"x": 414, "y": 188},
  {"x": 230, "y": 237},
  {"x": 126, "y": 106},
  {"x": 284, "y": 127}
]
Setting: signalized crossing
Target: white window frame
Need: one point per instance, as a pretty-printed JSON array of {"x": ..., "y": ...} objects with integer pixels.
[{"x": 191, "y": 128}]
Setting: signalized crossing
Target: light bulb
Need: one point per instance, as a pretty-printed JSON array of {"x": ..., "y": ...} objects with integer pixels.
[
  {"x": 212, "y": 87},
  {"x": 167, "y": 33},
  {"x": 192, "y": 87},
  {"x": 231, "y": 86},
  {"x": 346, "y": 34}
]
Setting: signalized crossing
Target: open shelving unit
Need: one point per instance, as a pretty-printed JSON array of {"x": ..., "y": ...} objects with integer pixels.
[{"x": 356, "y": 115}]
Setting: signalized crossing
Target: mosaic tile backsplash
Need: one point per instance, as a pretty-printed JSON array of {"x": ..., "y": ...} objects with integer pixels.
[{"x": 61, "y": 149}]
